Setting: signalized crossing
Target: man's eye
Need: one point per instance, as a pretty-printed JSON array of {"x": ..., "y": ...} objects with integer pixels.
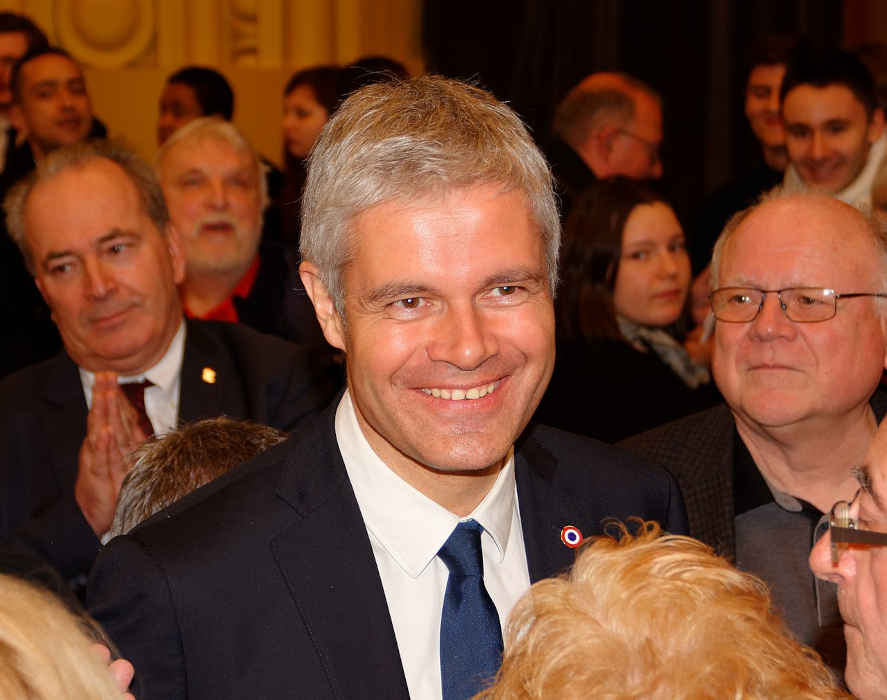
[
  {"x": 838, "y": 128},
  {"x": 60, "y": 269},
  {"x": 798, "y": 132},
  {"x": 739, "y": 299},
  {"x": 409, "y": 303},
  {"x": 506, "y": 290}
]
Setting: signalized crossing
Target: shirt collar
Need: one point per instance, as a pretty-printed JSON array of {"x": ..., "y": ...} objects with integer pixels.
[
  {"x": 162, "y": 374},
  {"x": 392, "y": 508}
]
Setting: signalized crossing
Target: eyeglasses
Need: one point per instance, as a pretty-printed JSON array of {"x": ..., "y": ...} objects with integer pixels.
[
  {"x": 799, "y": 304},
  {"x": 845, "y": 530},
  {"x": 651, "y": 146}
]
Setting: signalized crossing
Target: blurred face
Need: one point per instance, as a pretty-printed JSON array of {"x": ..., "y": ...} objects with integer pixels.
[
  {"x": 178, "y": 106},
  {"x": 54, "y": 109},
  {"x": 861, "y": 575},
  {"x": 108, "y": 275},
  {"x": 303, "y": 118},
  {"x": 762, "y": 103},
  {"x": 654, "y": 271},
  {"x": 212, "y": 189},
  {"x": 828, "y": 135},
  {"x": 449, "y": 337},
  {"x": 774, "y": 372},
  {"x": 634, "y": 149},
  {"x": 13, "y": 46}
]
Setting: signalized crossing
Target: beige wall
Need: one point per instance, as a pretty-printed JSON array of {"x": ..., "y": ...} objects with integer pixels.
[{"x": 128, "y": 47}]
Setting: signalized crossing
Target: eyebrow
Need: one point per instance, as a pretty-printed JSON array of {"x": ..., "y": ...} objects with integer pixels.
[{"x": 863, "y": 475}]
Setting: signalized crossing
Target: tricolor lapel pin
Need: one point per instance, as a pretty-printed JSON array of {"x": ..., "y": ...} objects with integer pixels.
[
  {"x": 571, "y": 536},
  {"x": 208, "y": 375}
]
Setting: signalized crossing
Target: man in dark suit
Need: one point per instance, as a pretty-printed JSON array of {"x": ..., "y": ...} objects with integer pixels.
[
  {"x": 799, "y": 369},
  {"x": 378, "y": 552},
  {"x": 93, "y": 227}
]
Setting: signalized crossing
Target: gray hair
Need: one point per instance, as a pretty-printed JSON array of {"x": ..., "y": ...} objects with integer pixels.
[
  {"x": 79, "y": 155},
  {"x": 221, "y": 130},
  {"x": 169, "y": 467},
  {"x": 869, "y": 224},
  {"x": 587, "y": 108},
  {"x": 409, "y": 139}
]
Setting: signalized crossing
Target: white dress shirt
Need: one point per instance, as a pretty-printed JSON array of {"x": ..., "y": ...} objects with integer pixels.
[
  {"x": 162, "y": 399},
  {"x": 406, "y": 530}
]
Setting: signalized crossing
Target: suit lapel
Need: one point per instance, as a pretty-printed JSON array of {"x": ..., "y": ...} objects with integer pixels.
[
  {"x": 544, "y": 512},
  {"x": 328, "y": 564},
  {"x": 66, "y": 413},
  {"x": 207, "y": 378}
]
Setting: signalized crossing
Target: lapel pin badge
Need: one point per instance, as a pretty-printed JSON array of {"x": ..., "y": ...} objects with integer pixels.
[
  {"x": 571, "y": 536},
  {"x": 208, "y": 375}
]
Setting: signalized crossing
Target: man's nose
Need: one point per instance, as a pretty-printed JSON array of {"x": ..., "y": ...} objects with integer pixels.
[
  {"x": 218, "y": 194},
  {"x": 97, "y": 279},
  {"x": 821, "y": 565},
  {"x": 817, "y": 145},
  {"x": 463, "y": 338},
  {"x": 771, "y": 321}
]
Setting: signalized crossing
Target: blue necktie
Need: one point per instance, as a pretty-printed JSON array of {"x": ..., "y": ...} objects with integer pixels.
[{"x": 470, "y": 635}]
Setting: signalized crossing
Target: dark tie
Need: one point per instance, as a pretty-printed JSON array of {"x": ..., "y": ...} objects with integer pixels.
[
  {"x": 470, "y": 635},
  {"x": 135, "y": 393}
]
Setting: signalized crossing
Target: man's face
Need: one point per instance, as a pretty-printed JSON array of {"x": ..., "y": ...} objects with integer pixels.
[
  {"x": 13, "y": 46},
  {"x": 54, "y": 107},
  {"x": 776, "y": 373},
  {"x": 449, "y": 329},
  {"x": 178, "y": 106},
  {"x": 108, "y": 275},
  {"x": 861, "y": 576},
  {"x": 634, "y": 148},
  {"x": 212, "y": 190},
  {"x": 762, "y": 103},
  {"x": 828, "y": 135}
]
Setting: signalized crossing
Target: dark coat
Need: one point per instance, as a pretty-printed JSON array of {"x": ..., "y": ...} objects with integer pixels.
[
  {"x": 264, "y": 583},
  {"x": 43, "y": 423}
]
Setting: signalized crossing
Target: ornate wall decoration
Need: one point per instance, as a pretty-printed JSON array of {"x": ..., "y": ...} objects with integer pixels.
[{"x": 105, "y": 33}]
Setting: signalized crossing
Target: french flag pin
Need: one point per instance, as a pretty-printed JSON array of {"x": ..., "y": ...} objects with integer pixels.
[{"x": 571, "y": 536}]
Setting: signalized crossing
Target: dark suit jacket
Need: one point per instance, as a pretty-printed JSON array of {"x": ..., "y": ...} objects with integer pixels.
[
  {"x": 263, "y": 584},
  {"x": 43, "y": 423},
  {"x": 698, "y": 451}
]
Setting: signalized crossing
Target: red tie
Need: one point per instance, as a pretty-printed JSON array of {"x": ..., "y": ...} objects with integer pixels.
[{"x": 135, "y": 393}]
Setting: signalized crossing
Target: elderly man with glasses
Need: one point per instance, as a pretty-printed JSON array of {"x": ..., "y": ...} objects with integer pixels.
[
  {"x": 800, "y": 344},
  {"x": 852, "y": 554}
]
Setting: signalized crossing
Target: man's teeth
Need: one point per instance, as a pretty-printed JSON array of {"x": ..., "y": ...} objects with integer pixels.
[{"x": 475, "y": 392}]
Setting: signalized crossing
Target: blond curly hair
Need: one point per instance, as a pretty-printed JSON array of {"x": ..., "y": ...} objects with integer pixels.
[
  {"x": 45, "y": 649},
  {"x": 654, "y": 616}
]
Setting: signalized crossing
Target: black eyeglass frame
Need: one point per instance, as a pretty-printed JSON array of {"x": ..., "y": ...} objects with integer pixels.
[
  {"x": 830, "y": 293},
  {"x": 844, "y": 530}
]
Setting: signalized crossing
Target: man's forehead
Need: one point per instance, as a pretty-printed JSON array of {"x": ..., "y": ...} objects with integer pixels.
[
  {"x": 819, "y": 101},
  {"x": 50, "y": 67},
  {"x": 817, "y": 225},
  {"x": 200, "y": 152}
]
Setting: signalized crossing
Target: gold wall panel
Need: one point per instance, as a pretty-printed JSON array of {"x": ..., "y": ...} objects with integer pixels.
[{"x": 128, "y": 47}]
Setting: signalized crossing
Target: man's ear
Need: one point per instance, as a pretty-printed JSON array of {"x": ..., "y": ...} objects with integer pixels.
[
  {"x": 876, "y": 125},
  {"x": 331, "y": 323},
  {"x": 17, "y": 119},
  {"x": 176, "y": 253},
  {"x": 597, "y": 148}
]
